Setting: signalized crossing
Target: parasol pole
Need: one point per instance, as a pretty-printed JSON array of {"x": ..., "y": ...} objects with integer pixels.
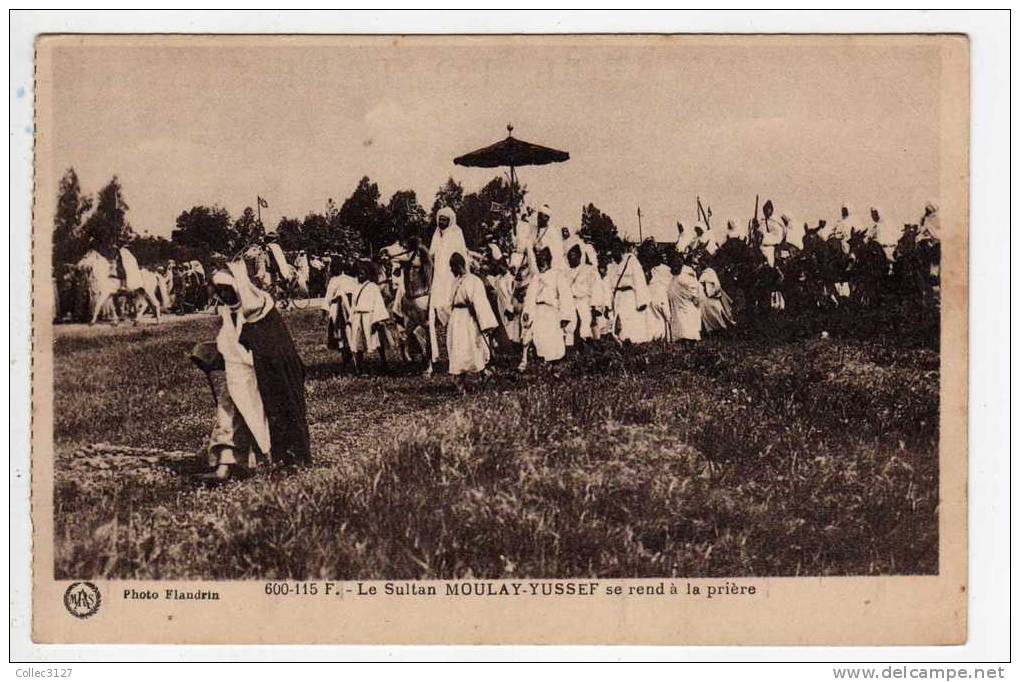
[
  {"x": 513, "y": 180},
  {"x": 513, "y": 196}
]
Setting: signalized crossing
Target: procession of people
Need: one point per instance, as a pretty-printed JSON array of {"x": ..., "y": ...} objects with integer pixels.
[
  {"x": 433, "y": 300},
  {"x": 556, "y": 293}
]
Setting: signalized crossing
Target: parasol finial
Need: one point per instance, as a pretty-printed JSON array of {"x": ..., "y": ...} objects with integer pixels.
[{"x": 509, "y": 129}]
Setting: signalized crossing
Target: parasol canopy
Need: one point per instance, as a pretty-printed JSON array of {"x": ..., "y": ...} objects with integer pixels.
[{"x": 511, "y": 152}]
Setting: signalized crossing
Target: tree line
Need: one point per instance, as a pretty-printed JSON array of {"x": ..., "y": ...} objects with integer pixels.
[{"x": 359, "y": 227}]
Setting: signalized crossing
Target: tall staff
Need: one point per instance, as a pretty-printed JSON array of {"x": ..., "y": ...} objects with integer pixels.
[
  {"x": 704, "y": 214},
  {"x": 639, "y": 231},
  {"x": 260, "y": 204}
]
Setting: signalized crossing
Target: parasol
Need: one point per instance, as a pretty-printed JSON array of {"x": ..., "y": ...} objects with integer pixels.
[{"x": 513, "y": 153}]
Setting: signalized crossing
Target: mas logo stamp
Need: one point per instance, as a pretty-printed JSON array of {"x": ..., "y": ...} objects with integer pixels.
[{"x": 82, "y": 599}]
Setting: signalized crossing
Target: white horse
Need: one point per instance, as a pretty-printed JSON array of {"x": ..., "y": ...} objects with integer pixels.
[{"x": 104, "y": 286}]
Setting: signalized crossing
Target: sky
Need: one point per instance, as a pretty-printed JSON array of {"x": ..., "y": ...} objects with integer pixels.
[{"x": 810, "y": 123}]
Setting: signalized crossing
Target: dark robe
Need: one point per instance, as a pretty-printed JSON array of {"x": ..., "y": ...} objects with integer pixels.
[{"x": 281, "y": 379}]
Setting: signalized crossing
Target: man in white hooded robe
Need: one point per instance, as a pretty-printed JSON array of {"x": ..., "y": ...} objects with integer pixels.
[
  {"x": 548, "y": 309},
  {"x": 658, "y": 312},
  {"x": 447, "y": 240},
  {"x": 336, "y": 305},
  {"x": 368, "y": 313},
  {"x": 582, "y": 278},
  {"x": 539, "y": 234},
  {"x": 631, "y": 299},
  {"x": 471, "y": 320}
]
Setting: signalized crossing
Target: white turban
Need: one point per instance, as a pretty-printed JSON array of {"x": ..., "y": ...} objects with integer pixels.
[{"x": 449, "y": 213}]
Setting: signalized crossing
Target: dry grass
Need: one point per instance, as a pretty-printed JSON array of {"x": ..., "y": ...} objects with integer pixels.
[{"x": 759, "y": 454}]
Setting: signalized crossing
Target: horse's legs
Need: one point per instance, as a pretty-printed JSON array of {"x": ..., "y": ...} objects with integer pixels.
[
  {"x": 101, "y": 300},
  {"x": 524, "y": 357},
  {"x": 151, "y": 297},
  {"x": 141, "y": 299},
  {"x": 421, "y": 335}
]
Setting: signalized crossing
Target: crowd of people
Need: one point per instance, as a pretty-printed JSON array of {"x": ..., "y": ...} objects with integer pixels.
[
  {"x": 547, "y": 292},
  {"x": 555, "y": 291}
]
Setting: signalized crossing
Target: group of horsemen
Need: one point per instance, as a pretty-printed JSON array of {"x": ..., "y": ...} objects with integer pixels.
[{"x": 101, "y": 287}]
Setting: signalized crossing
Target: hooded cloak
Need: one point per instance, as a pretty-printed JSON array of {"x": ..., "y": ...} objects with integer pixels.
[
  {"x": 239, "y": 371},
  {"x": 445, "y": 243},
  {"x": 132, "y": 273},
  {"x": 278, "y": 369},
  {"x": 716, "y": 306},
  {"x": 629, "y": 293},
  {"x": 685, "y": 306}
]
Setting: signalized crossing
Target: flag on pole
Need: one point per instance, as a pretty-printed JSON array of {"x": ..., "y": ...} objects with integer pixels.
[{"x": 262, "y": 202}]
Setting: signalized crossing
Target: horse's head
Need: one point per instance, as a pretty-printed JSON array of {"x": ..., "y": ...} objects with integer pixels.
[
  {"x": 856, "y": 240},
  {"x": 93, "y": 262}
]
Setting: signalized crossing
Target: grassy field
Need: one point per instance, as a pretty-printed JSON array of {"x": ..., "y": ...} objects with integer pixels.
[{"x": 778, "y": 453}]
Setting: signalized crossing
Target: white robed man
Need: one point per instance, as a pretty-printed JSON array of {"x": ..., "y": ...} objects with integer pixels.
[
  {"x": 631, "y": 299},
  {"x": 793, "y": 231},
  {"x": 279, "y": 258},
  {"x": 447, "y": 240},
  {"x": 130, "y": 272},
  {"x": 601, "y": 303},
  {"x": 582, "y": 277},
  {"x": 772, "y": 233},
  {"x": 533, "y": 236},
  {"x": 143, "y": 286},
  {"x": 302, "y": 271},
  {"x": 258, "y": 258},
  {"x": 572, "y": 238},
  {"x": 842, "y": 227},
  {"x": 368, "y": 313},
  {"x": 471, "y": 321},
  {"x": 684, "y": 299},
  {"x": 657, "y": 314},
  {"x": 336, "y": 306},
  {"x": 548, "y": 309},
  {"x": 716, "y": 306},
  {"x": 886, "y": 234}
]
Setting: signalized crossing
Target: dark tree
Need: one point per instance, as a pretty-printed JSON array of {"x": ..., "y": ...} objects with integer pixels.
[
  {"x": 72, "y": 205},
  {"x": 246, "y": 229},
  {"x": 107, "y": 226},
  {"x": 326, "y": 234},
  {"x": 204, "y": 229},
  {"x": 363, "y": 212},
  {"x": 487, "y": 214},
  {"x": 152, "y": 250},
  {"x": 292, "y": 236},
  {"x": 450, "y": 194},
  {"x": 600, "y": 230},
  {"x": 406, "y": 216}
]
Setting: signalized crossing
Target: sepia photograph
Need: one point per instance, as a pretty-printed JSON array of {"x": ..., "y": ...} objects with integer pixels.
[{"x": 501, "y": 315}]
